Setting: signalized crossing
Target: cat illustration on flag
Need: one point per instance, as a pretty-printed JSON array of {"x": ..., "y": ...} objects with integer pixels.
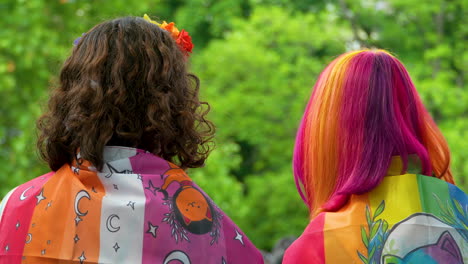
[
  {"x": 445, "y": 250},
  {"x": 419, "y": 238}
]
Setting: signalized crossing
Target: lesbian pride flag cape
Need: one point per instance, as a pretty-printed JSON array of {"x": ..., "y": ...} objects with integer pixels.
[
  {"x": 407, "y": 219},
  {"x": 139, "y": 209}
]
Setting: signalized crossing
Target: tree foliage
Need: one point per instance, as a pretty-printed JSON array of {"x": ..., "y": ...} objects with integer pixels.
[{"x": 257, "y": 60}]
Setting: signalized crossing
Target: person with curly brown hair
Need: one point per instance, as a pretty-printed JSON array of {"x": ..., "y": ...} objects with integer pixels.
[{"x": 121, "y": 128}]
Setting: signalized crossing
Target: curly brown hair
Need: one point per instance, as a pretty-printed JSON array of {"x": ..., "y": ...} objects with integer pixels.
[{"x": 126, "y": 83}]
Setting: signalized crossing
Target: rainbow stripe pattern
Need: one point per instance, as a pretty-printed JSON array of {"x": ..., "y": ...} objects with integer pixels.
[
  {"x": 408, "y": 218},
  {"x": 139, "y": 209}
]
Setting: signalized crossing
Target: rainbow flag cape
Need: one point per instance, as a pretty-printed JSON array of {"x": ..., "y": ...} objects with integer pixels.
[
  {"x": 138, "y": 209},
  {"x": 407, "y": 219}
]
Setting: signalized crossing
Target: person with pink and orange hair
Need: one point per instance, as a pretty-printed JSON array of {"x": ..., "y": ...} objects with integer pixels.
[{"x": 374, "y": 170}]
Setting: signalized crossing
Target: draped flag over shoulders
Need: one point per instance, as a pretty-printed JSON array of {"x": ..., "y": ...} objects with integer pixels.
[
  {"x": 139, "y": 209},
  {"x": 408, "y": 218}
]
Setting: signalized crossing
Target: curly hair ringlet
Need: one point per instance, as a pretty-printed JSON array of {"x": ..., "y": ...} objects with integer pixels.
[{"x": 126, "y": 84}]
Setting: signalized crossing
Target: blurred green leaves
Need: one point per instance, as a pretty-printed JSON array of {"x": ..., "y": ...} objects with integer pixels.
[{"x": 257, "y": 61}]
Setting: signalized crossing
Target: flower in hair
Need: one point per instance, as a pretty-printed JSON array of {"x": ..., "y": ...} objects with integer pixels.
[
  {"x": 182, "y": 37},
  {"x": 171, "y": 28},
  {"x": 185, "y": 41},
  {"x": 76, "y": 41}
]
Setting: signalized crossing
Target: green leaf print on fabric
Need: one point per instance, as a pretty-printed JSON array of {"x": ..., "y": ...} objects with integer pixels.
[{"x": 374, "y": 235}]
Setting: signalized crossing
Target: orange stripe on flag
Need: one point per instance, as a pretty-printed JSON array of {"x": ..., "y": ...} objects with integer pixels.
[
  {"x": 67, "y": 222},
  {"x": 342, "y": 238}
]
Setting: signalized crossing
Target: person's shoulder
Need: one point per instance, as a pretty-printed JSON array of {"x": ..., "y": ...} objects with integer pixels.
[
  {"x": 458, "y": 194},
  {"x": 309, "y": 247},
  {"x": 433, "y": 184},
  {"x": 26, "y": 184},
  {"x": 24, "y": 191},
  {"x": 201, "y": 215}
]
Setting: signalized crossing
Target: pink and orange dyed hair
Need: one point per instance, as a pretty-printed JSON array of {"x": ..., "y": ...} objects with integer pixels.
[{"x": 364, "y": 109}]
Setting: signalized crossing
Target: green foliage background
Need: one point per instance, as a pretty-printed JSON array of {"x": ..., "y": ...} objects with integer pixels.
[{"x": 257, "y": 60}]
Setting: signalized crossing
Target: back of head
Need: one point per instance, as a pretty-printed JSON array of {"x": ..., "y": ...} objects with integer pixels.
[
  {"x": 125, "y": 84},
  {"x": 364, "y": 109}
]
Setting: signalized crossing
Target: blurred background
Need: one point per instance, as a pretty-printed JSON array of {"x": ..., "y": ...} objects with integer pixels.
[{"x": 257, "y": 61}]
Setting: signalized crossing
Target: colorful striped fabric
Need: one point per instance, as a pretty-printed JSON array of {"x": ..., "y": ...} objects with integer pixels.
[
  {"x": 407, "y": 219},
  {"x": 139, "y": 209}
]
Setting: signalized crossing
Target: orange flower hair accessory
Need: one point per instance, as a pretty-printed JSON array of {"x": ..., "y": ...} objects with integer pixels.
[{"x": 182, "y": 38}]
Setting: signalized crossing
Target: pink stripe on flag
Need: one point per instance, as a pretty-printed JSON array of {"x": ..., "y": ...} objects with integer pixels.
[
  {"x": 17, "y": 217},
  {"x": 309, "y": 247}
]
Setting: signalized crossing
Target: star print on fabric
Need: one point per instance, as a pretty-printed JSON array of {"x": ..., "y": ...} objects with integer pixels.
[
  {"x": 76, "y": 239},
  {"x": 43, "y": 252},
  {"x": 7, "y": 248},
  {"x": 116, "y": 247},
  {"x": 49, "y": 204},
  {"x": 78, "y": 220},
  {"x": 151, "y": 188},
  {"x": 131, "y": 204},
  {"x": 116, "y": 187},
  {"x": 82, "y": 258},
  {"x": 48, "y": 242},
  {"x": 152, "y": 229},
  {"x": 40, "y": 196},
  {"x": 239, "y": 237},
  {"x": 17, "y": 225}
]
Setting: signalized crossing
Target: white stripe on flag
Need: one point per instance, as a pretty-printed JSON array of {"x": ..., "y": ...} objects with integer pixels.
[
  {"x": 122, "y": 217},
  {"x": 4, "y": 203}
]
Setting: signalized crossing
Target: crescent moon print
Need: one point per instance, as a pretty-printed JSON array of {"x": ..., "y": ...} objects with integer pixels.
[
  {"x": 78, "y": 197},
  {"x": 109, "y": 225},
  {"x": 29, "y": 238},
  {"x": 177, "y": 255},
  {"x": 23, "y": 194}
]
